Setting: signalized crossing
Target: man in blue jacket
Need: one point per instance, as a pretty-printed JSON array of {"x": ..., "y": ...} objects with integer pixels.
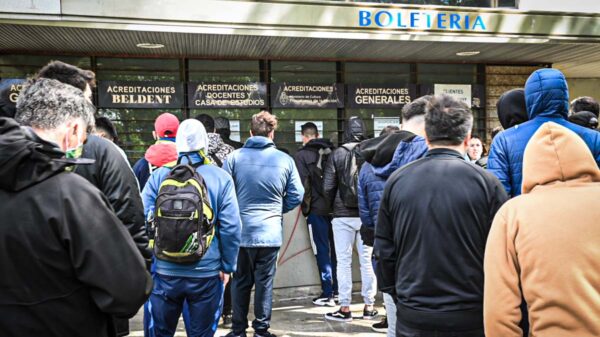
[
  {"x": 199, "y": 284},
  {"x": 546, "y": 99},
  {"x": 267, "y": 185},
  {"x": 389, "y": 153}
]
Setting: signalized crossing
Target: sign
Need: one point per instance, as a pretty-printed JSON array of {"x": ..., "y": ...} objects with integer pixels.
[
  {"x": 298, "y": 129},
  {"x": 421, "y": 19},
  {"x": 227, "y": 95},
  {"x": 461, "y": 92},
  {"x": 375, "y": 96},
  {"x": 379, "y": 123},
  {"x": 9, "y": 92},
  {"x": 304, "y": 96},
  {"x": 234, "y": 128},
  {"x": 140, "y": 94}
]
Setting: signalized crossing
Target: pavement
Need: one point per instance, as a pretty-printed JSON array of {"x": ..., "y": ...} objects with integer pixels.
[{"x": 297, "y": 318}]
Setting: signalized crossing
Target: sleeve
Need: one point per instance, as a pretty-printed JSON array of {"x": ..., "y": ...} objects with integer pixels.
[
  {"x": 103, "y": 255},
  {"x": 229, "y": 227},
  {"x": 384, "y": 247},
  {"x": 301, "y": 166},
  {"x": 141, "y": 172},
  {"x": 498, "y": 163},
  {"x": 150, "y": 191},
  {"x": 228, "y": 164},
  {"x": 330, "y": 179},
  {"x": 294, "y": 191},
  {"x": 502, "y": 294},
  {"x": 363, "y": 197},
  {"x": 498, "y": 198}
]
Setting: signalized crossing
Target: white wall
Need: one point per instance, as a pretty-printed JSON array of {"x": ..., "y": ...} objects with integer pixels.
[
  {"x": 576, "y": 6},
  {"x": 584, "y": 87}
]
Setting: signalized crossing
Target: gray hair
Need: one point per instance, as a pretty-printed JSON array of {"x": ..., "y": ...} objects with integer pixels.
[
  {"x": 47, "y": 104},
  {"x": 447, "y": 121}
]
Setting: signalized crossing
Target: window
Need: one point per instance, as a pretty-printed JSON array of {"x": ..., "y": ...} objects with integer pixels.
[{"x": 23, "y": 66}]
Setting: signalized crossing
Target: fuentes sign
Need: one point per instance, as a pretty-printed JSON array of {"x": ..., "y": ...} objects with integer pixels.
[
  {"x": 326, "y": 96},
  {"x": 373, "y": 96},
  {"x": 146, "y": 94},
  {"x": 227, "y": 95}
]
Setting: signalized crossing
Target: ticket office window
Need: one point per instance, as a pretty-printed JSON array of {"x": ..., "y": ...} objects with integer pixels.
[
  {"x": 303, "y": 73},
  {"x": 135, "y": 126}
]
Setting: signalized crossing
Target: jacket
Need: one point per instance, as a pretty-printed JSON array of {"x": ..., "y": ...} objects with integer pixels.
[
  {"x": 160, "y": 154},
  {"x": 397, "y": 150},
  {"x": 433, "y": 222},
  {"x": 112, "y": 175},
  {"x": 223, "y": 251},
  {"x": 217, "y": 149},
  {"x": 551, "y": 257},
  {"x": 67, "y": 263},
  {"x": 267, "y": 185},
  {"x": 335, "y": 169},
  {"x": 307, "y": 161},
  {"x": 546, "y": 98}
]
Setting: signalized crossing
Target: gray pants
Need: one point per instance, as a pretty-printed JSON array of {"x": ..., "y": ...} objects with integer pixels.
[{"x": 390, "y": 311}]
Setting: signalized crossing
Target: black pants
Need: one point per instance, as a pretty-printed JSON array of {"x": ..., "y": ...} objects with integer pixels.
[
  {"x": 404, "y": 331},
  {"x": 227, "y": 300},
  {"x": 255, "y": 267}
]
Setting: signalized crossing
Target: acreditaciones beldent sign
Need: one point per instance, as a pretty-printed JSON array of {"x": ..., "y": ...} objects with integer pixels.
[
  {"x": 140, "y": 94},
  {"x": 227, "y": 95}
]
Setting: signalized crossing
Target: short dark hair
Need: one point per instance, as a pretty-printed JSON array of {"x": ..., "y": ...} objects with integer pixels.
[
  {"x": 68, "y": 74},
  {"x": 585, "y": 103},
  {"x": 448, "y": 121},
  {"x": 389, "y": 129},
  {"x": 106, "y": 125},
  {"x": 415, "y": 108},
  {"x": 263, "y": 123},
  {"x": 207, "y": 121},
  {"x": 309, "y": 129}
]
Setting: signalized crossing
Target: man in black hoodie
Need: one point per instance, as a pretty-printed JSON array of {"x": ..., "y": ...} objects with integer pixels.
[
  {"x": 66, "y": 261},
  {"x": 310, "y": 160}
]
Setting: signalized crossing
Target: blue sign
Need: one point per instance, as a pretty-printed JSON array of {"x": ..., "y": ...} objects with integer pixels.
[{"x": 420, "y": 20}]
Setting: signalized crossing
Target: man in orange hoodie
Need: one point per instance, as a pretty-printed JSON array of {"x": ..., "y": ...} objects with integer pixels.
[{"x": 545, "y": 244}]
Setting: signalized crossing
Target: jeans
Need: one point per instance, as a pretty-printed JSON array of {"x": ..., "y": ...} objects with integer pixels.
[
  {"x": 390, "y": 311},
  {"x": 346, "y": 234},
  {"x": 321, "y": 234},
  {"x": 255, "y": 267},
  {"x": 202, "y": 295},
  {"x": 405, "y": 331}
]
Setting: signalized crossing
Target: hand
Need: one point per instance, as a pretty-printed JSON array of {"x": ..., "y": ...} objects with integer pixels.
[
  {"x": 367, "y": 235},
  {"x": 224, "y": 278}
]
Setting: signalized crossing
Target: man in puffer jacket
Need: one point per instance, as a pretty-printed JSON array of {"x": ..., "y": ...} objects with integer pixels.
[
  {"x": 547, "y": 100},
  {"x": 392, "y": 152}
]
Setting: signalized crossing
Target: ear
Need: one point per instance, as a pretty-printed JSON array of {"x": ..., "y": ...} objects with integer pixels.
[
  {"x": 251, "y": 135},
  {"x": 467, "y": 140},
  {"x": 272, "y": 135},
  {"x": 154, "y": 135}
]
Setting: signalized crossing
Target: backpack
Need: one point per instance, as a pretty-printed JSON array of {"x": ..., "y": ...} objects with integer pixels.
[
  {"x": 183, "y": 217},
  {"x": 349, "y": 180},
  {"x": 314, "y": 183}
]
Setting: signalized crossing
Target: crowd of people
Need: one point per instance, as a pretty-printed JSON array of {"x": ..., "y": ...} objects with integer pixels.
[{"x": 460, "y": 242}]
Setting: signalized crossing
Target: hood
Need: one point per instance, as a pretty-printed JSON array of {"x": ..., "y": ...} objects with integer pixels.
[
  {"x": 511, "y": 108},
  {"x": 407, "y": 151},
  {"x": 547, "y": 94},
  {"x": 379, "y": 150},
  {"x": 191, "y": 136},
  {"x": 319, "y": 143},
  {"x": 355, "y": 130},
  {"x": 556, "y": 154},
  {"x": 26, "y": 159},
  {"x": 215, "y": 142},
  {"x": 586, "y": 119},
  {"x": 161, "y": 153},
  {"x": 258, "y": 142}
]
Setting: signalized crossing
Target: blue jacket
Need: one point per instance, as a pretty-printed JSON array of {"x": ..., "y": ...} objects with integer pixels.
[
  {"x": 223, "y": 251},
  {"x": 372, "y": 179},
  {"x": 267, "y": 185},
  {"x": 546, "y": 98}
]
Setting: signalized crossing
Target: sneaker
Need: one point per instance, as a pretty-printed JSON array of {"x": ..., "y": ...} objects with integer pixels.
[
  {"x": 380, "y": 326},
  {"x": 227, "y": 321},
  {"x": 369, "y": 314},
  {"x": 235, "y": 334},
  {"x": 324, "y": 301},
  {"x": 339, "y": 316},
  {"x": 336, "y": 298},
  {"x": 264, "y": 334}
]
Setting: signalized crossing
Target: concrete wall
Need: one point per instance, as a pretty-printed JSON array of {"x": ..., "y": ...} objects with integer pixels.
[
  {"x": 584, "y": 87},
  {"x": 580, "y": 6}
]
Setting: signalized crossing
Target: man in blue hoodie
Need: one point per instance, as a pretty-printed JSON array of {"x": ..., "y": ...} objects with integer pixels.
[
  {"x": 383, "y": 156},
  {"x": 267, "y": 185},
  {"x": 546, "y": 100},
  {"x": 199, "y": 284}
]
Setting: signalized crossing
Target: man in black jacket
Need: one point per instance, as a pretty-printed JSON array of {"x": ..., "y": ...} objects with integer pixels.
[
  {"x": 310, "y": 160},
  {"x": 340, "y": 184},
  {"x": 433, "y": 222},
  {"x": 67, "y": 263}
]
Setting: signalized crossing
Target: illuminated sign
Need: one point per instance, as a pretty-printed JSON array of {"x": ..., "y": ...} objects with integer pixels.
[{"x": 424, "y": 20}]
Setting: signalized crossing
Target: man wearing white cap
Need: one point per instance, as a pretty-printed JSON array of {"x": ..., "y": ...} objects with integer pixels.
[{"x": 201, "y": 283}]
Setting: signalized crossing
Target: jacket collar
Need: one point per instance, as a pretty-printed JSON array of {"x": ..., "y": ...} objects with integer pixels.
[
  {"x": 258, "y": 142},
  {"x": 444, "y": 152}
]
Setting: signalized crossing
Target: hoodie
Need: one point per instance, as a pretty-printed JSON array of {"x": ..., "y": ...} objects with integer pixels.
[
  {"x": 310, "y": 161},
  {"x": 217, "y": 149},
  {"x": 549, "y": 255},
  {"x": 162, "y": 153},
  {"x": 586, "y": 119},
  {"x": 511, "y": 108},
  {"x": 547, "y": 100},
  {"x": 67, "y": 262}
]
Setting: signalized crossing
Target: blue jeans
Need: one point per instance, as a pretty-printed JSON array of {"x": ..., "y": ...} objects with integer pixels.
[
  {"x": 255, "y": 267},
  {"x": 203, "y": 297},
  {"x": 321, "y": 235}
]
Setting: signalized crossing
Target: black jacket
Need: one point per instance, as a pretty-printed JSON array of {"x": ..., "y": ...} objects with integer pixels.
[
  {"x": 433, "y": 223},
  {"x": 67, "y": 263},
  {"x": 306, "y": 161},
  {"x": 112, "y": 175}
]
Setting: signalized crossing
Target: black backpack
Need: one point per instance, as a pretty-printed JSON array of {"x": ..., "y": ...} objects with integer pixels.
[
  {"x": 349, "y": 178},
  {"x": 183, "y": 217},
  {"x": 314, "y": 183}
]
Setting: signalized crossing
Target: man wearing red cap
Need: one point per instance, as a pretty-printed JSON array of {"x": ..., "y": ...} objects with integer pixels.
[{"x": 162, "y": 152}]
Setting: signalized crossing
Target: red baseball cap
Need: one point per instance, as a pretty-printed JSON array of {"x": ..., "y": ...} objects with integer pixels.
[{"x": 166, "y": 125}]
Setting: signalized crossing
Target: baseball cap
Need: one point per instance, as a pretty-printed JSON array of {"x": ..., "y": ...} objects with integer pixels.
[{"x": 166, "y": 125}]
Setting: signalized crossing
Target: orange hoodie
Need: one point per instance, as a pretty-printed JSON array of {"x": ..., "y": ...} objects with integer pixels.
[{"x": 545, "y": 244}]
